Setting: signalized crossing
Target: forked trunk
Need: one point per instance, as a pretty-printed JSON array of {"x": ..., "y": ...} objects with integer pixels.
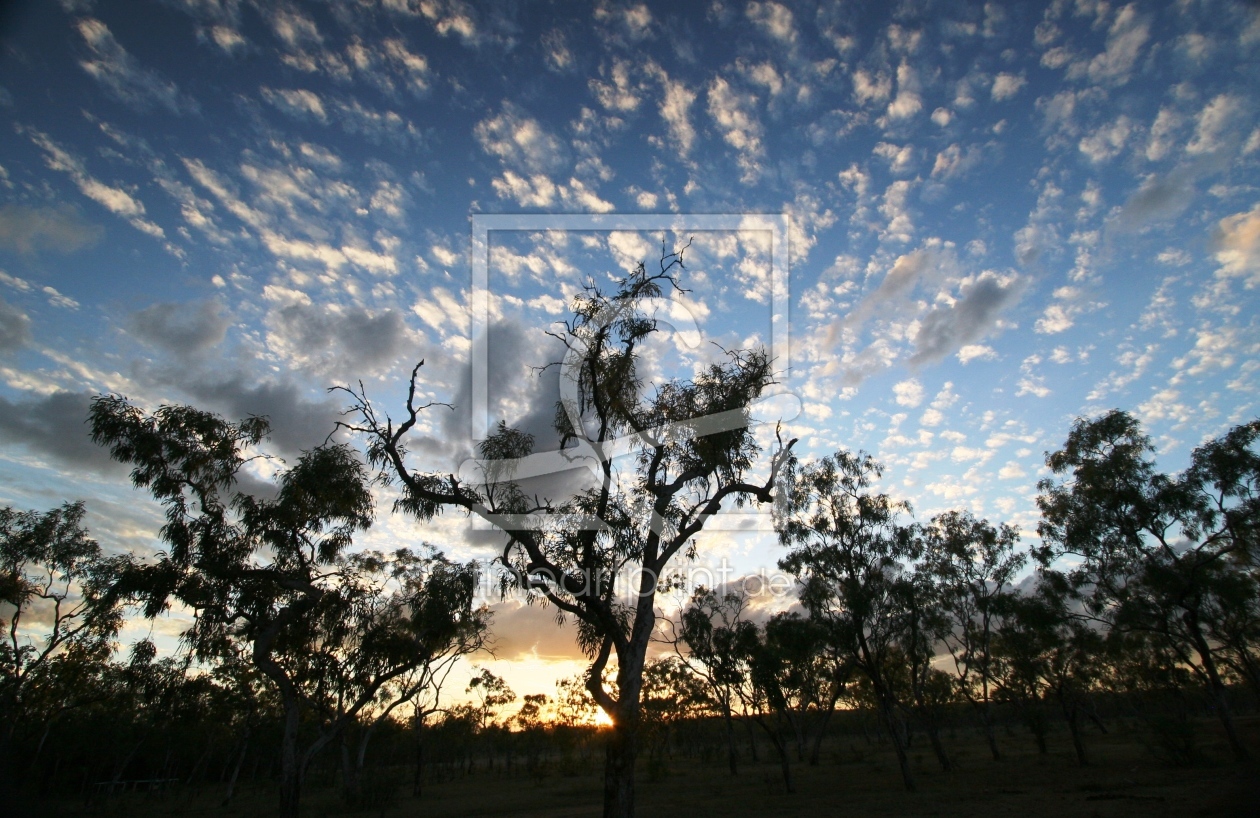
[
  {"x": 942, "y": 757},
  {"x": 1216, "y": 687},
  {"x": 897, "y": 732}
]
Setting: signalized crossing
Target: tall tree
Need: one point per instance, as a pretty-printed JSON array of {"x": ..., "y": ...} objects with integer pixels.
[
  {"x": 1151, "y": 547},
  {"x": 326, "y": 627},
  {"x": 691, "y": 454}
]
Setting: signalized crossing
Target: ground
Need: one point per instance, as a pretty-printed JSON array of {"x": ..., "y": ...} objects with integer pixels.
[{"x": 854, "y": 778}]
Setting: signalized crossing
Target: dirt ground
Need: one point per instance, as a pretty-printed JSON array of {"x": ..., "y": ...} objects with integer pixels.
[{"x": 1124, "y": 779}]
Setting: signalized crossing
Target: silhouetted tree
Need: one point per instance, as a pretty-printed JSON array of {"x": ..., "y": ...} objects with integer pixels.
[
  {"x": 1153, "y": 548},
  {"x": 56, "y": 612},
  {"x": 328, "y": 628},
  {"x": 973, "y": 564},
  {"x": 692, "y": 454},
  {"x": 719, "y": 648},
  {"x": 848, "y": 552}
]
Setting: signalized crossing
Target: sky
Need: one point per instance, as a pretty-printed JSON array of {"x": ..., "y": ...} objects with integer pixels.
[{"x": 999, "y": 218}]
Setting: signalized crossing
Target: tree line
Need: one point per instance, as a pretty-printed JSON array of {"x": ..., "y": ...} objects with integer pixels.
[{"x": 304, "y": 653}]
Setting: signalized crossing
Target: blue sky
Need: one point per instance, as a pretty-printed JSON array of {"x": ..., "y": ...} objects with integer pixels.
[{"x": 1003, "y": 217}]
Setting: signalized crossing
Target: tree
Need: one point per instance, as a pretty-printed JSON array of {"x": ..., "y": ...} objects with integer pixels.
[
  {"x": 798, "y": 678},
  {"x": 56, "y": 611},
  {"x": 1153, "y": 548},
  {"x": 972, "y": 565},
  {"x": 691, "y": 452},
  {"x": 1041, "y": 649},
  {"x": 847, "y": 552},
  {"x": 720, "y": 646},
  {"x": 930, "y": 690},
  {"x": 326, "y": 627}
]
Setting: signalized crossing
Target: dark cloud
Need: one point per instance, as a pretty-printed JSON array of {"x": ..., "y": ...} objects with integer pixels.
[
  {"x": 945, "y": 329},
  {"x": 339, "y": 342},
  {"x": 519, "y": 393},
  {"x": 15, "y": 328},
  {"x": 55, "y": 426},
  {"x": 297, "y": 423},
  {"x": 34, "y": 229},
  {"x": 1161, "y": 197},
  {"x": 524, "y": 631},
  {"x": 182, "y": 329}
]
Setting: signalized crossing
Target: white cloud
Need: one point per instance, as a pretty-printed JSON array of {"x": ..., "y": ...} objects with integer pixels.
[
  {"x": 1238, "y": 246},
  {"x": 734, "y": 113},
  {"x": 618, "y": 93},
  {"x": 1214, "y": 123},
  {"x": 1125, "y": 39},
  {"x": 296, "y": 101},
  {"x": 114, "y": 199},
  {"x": 775, "y": 19},
  {"x": 1108, "y": 140},
  {"x": 899, "y": 157},
  {"x": 1006, "y": 86},
  {"x": 909, "y": 393},
  {"x": 519, "y": 141},
  {"x": 907, "y": 102},
  {"x": 976, "y": 352},
  {"x": 124, "y": 77}
]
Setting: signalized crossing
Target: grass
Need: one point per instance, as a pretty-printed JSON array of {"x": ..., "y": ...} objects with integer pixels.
[{"x": 854, "y": 778}]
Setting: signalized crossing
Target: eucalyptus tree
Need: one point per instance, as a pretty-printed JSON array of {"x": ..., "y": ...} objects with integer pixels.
[
  {"x": 849, "y": 553},
  {"x": 327, "y": 627},
  {"x": 799, "y": 680},
  {"x": 688, "y": 451},
  {"x": 928, "y": 691},
  {"x": 1043, "y": 650},
  {"x": 56, "y": 612},
  {"x": 719, "y": 642},
  {"x": 1151, "y": 549},
  {"x": 972, "y": 564}
]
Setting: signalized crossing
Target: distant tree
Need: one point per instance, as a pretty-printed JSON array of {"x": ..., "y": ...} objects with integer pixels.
[
  {"x": 972, "y": 564},
  {"x": 797, "y": 681},
  {"x": 692, "y": 453},
  {"x": 672, "y": 696},
  {"x": 716, "y": 642},
  {"x": 57, "y": 614},
  {"x": 1153, "y": 550},
  {"x": 329, "y": 629},
  {"x": 928, "y": 691},
  {"x": 1042, "y": 650},
  {"x": 848, "y": 553}
]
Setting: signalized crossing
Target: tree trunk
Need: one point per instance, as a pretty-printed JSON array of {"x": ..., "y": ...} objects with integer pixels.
[
  {"x": 732, "y": 756},
  {"x": 236, "y": 770},
  {"x": 290, "y": 769},
  {"x": 1072, "y": 713},
  {"x": 818, "y": 738},
  {"x": 620, "y": 755},
  {"x": 1215, "y": 686},
  {"x": 417, "y": 782},
  {"x": 934, "y": 736},
  {"x": 898, "y": 736},
  {"x": 986, "y": 721},
  {"x": 752, "y": 740}
]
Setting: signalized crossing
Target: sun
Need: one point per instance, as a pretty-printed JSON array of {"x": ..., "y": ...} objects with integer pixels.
[{"x": 602, "y": 720}]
